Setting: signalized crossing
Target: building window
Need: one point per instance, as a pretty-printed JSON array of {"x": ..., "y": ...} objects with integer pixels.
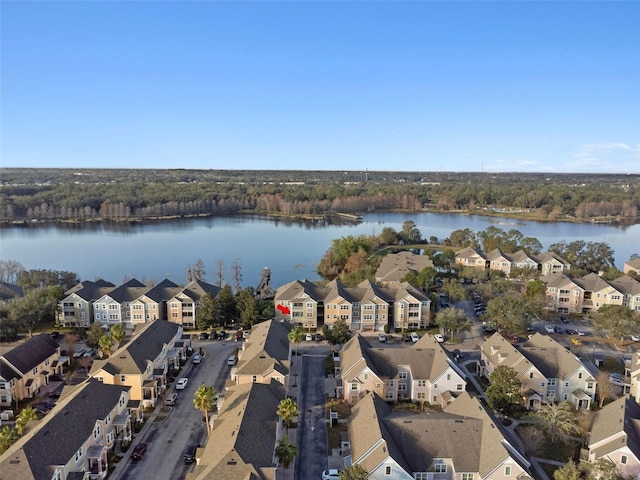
[
  {"x": 387, "y": 470},
  {"x": 448, "y": 376},
  {"x": 402, "y": 387},
  {"x": 530, "y": 374},
  {"x": 354, "y": 386},
  {"x": 422, "y": 383},
  {"x": 254, "y": 378},
  {"x": 623, "y": 459},
  {"x": 507, "y": 471},
  {"x": 422, "y": 476},
  {"x": 579, "y": 374},
  {"x": 366, "y": 376},
  {"x": 123, "y": 378},
  {"x": 467, "y": 476},
  {"x": 589, "y": 386},
  {"x": 402, "y": 375},
  {"x": 441, "y": 467},
  {"x": 459, "y": 387}
]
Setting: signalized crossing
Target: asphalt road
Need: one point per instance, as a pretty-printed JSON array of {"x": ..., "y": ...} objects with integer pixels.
[
  {"x": 312, "y": 434},
  {"x": 168, "y": 439}
]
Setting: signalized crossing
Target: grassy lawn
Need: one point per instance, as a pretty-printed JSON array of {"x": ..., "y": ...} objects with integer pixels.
[{"x": 340, "y": 406}]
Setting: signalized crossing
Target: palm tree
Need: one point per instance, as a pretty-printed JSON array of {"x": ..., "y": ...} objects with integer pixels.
[
  {"x": 24, "y": 417},
  {"x": 286, "y": 452},
  {"x": 295, "y": 337},
  {"x": 8, "y": 436},
  {"x": 105, "y": 343},
  {"x": 204, "y": 400},
  {"x": 117, "y": 333},
  {"x": 287, "y": 409},
  {"x": 558, "y": 420}
]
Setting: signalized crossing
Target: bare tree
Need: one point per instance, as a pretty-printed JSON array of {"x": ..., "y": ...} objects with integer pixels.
[
  {"x": 532, "y": 439},
  {"x": 236, "y": 270},
  {"x": 219, "y": 272},
  {"x": 604, "y": 387},
  {"x": 585, "y": 420}
]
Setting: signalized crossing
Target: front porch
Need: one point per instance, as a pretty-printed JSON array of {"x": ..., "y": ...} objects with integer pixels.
[{"x": 96, "y": 463}]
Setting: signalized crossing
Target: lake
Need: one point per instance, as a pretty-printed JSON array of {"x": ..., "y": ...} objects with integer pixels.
[{"x": 291, "y": 250}]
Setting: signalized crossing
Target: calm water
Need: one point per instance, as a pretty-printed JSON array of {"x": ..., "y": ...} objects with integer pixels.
[{"x": 291, "y": 250}]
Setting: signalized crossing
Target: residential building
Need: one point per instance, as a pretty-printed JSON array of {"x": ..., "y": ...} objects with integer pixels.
[
  {"x": 629, "y": 287},
  {"x": 115, "y": 306},
  {"x": 548, "y": 371},
  {"x": 152, "y": 304},
  {"x": 631, "y": 265},
  {"x": 460, "y": 442},
  {"x": 367, "y": 306},
  {"x": 245, "y": 433},
  {"x": 615, "y": 436},
  {"x": 142, "y": 363},
  {"x": 395, "y": 266},
  {"x": 76, "y": 308},
  {"x": 9, "y": 292},
  {"x": 265, "y": 356},
  {"x": 598, "y": 292},
  {"x": 471, "y": 257},
  {"x": 562, "y": 294},
  {"x": 522, "y": 259},
  {"x": 499, "y": 261},
  {"x": 74, "y": 439},
  {"x": 420, "y": 373},
  {"x": 551, "y": 262},
  {"x": 27, "y": 368},
  {"x": 633, "y": 372},
  {"x": 182, "y": 308}
]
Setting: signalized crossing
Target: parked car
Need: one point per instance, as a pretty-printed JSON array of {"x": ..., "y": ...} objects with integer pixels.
[
  {"x": 197, "y": 358},
  {"x": 319, "y": 337},
  {"x": 232, "y": 360},
  {"x": 564, "y": 319},
  {"x": 139, "y": 451},
  {"x": 171, "y": 399},
  {"x": 582, "y": 333},
  {"x": 635, "y": 338},
  {"x": 458, "y": 355},
  {"x": 181, "y": 383},
  {"x": 203, "y": 336},
  {"x": 190, "y": 454},
  {"x": 222, "y": 335},
  {"x": 576, "y": 342},
  {"x": 382, "y": 337},
  {"x": 550, "y": 329},
  {"x": 414, "y": 337},
  {"x": 439, "y": 338},
  {"x": 570, "y": 331},
  {"x": 308, "y": 337},
  {"x": 331, "y": 474}
]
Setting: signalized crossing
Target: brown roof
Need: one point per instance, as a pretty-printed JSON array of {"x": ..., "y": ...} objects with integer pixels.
[{"x": 394, "y": 266}]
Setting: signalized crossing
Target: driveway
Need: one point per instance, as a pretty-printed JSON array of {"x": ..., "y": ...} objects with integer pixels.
[{"x": 312, "y": 434}]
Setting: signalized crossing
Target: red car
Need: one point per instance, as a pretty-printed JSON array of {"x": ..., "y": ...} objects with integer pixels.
[{"x": 139, "y": 451}]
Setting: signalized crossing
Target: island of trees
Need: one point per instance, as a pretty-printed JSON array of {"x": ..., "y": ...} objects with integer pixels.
[{"x": 56, "y": 195}]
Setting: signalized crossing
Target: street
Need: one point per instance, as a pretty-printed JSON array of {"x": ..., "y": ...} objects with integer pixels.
[{"x": 173, "y": 431}]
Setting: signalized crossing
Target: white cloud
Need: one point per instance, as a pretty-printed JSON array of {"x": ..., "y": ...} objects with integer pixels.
[{"x": 607, "y": 158}]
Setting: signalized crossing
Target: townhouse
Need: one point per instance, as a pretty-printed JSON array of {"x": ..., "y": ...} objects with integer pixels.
[
  {"x": 395, "y": 266},
  {"x": 27, "y": 368},
  {"x": 73, "y": 441},
  {"x": 546, "y": 263},
  {"x": 421, "y": 373},
  {"x": 182, "y": 307},
  {"x": 76, "y": 308},
  {"x": 152, "y": 304},
  {"x": 460, "y": 442},
  {"x": 631, "y": 265},
  {"x": 548, "y": 371},
  {"x": 499, "y": 261},
  {"x": 114, "y": 306},
  {"x": 367, "y": 306},
  {"x": 9, "y": 292},
  {"x": 632, "y": 371},
  {"x": 142, "y": 363},
  {"x": 615, "y": 436},
  {"x": 588, "y": 293},
  {"x": 265, "y": 356},
  {"x": 471, "y": 257},
  {"x": 550, "y": 262},
  {"x": 246, "y": 430},
  {"x": 563, "y": 294}
]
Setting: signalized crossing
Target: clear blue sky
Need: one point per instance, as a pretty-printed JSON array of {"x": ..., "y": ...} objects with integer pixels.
[{"x": 452, "y": 86}]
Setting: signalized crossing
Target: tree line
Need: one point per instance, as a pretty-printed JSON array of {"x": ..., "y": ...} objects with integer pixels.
[{"x": 90, "y": 195}]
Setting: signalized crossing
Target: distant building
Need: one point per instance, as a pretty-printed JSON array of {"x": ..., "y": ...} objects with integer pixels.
[{"x": 395, "y": 266}]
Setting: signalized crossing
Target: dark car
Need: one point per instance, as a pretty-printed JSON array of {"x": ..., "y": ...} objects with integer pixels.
[
  {"x": 139, "y": 451},
  {"x": 564, "y": 319},
  {"x": 190, "y": 454},
  {"x": 318, "y": 337},
  {"x": 203, "y": 336},
  {"x": 558, "y": 330},
  {"x": 458, "y": 355},
  {"x": 569, "y": 331}
]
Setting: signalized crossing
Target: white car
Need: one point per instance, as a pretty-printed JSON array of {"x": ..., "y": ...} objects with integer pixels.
[
  {"x": 635, "y": 338},
  {"x": 439, "y": 338},
  {"x": 181, "y": 383},
  {"x": 308, "y": 337},
  {"x": 382, "y": 337},
  {"x": 197, "y": 358},
  {"x": 414, "y": 337},
  {"x": 549, "y": 329},
  {"x": 331, "y": 474}
]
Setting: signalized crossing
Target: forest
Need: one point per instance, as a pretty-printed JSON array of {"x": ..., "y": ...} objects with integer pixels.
[{"x": 56, "y": 195}]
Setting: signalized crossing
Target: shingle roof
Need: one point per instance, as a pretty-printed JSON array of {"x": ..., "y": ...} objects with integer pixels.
[
  {"x": 551, "y": 358},
  {"x": 9, "y": 291},
  {"x": 196, "y": 289},
  {"x": 90, "y": 291},
  {"x": 266, "y": 349},
  {"x": 163, "y": 291},
  {"x": 144, "y": 346},
  {"x": 28, "y": 355},
  {"x": 56, "y": 439},
  {"x": 394, "y": 266},
  {"x": 244, "y": 433},
  {"x": 470, "y": 252},
  {"x": 620, "y": 415},
  {"x": 592, "y": 282},
  {"x": 294, "y": 289},
  {"x": 626, "y": 285}
]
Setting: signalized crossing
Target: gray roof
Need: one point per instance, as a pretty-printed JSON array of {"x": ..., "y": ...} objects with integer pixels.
[
  {"x": 626, "y": 285},
  {"x": 551, "y": 358},
  {"x": 266, "y": 349},
  {"x": 9, "y": 291},
  {"x": 622, "y": 415},
  {"x": 163, "y": 291},
  {"x": 128, "y": 291},
  {"x": 394, "y": 266},
  {"x": 144, "y": 346},
  {"x": 196, "y": 289},
  {"x": 28, "y": 355},
  {"x": 90, "y": 291},
  {"x": 592, "y": 282},
  {"x": 293, "y": 290},
  {"x": 244, "y": 433},
  {"x": 58, "y": 437}
]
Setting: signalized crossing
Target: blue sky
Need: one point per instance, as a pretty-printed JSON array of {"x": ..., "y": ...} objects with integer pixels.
[{"x": 331, "y": 85}]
